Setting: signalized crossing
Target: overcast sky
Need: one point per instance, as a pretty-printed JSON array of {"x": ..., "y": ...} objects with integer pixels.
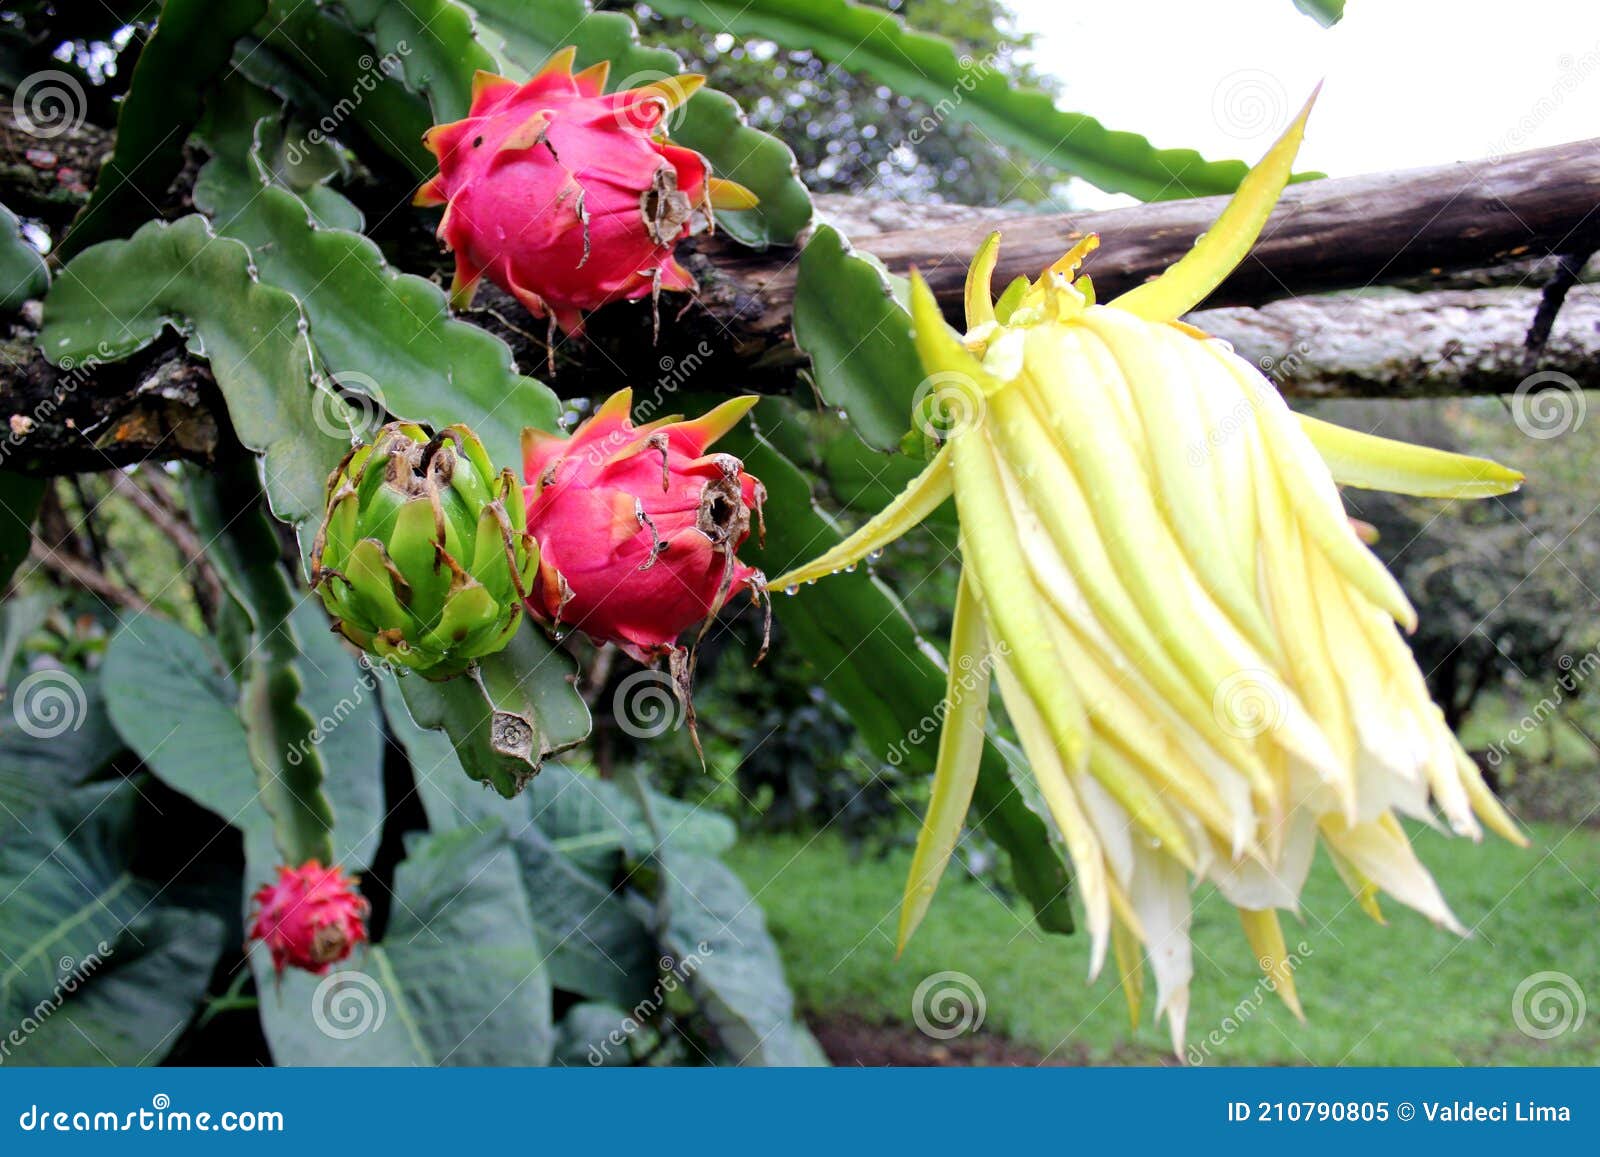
[{"x": 1409, "y": 82}]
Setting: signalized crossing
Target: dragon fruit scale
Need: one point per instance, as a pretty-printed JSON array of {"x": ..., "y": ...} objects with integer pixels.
[
  {"x": 311, "y": 917},
  {"x": 638, "y": 526},
  {"x": 567, "y": 197}
]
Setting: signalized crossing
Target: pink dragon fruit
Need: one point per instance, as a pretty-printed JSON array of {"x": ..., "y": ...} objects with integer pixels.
[
  {"x": 312, "y": 917},
  {"x": 565, "y": 197},
  {"x": 638, "y": 526}
]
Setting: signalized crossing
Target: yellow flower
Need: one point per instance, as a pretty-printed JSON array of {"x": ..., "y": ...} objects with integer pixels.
[{"x": 1194, "y": 646}]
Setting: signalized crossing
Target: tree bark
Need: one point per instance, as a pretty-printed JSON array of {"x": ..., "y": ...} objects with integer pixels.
[{"x": 1454, "y": 224}]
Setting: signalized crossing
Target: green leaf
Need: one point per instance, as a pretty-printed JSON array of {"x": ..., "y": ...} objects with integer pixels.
[
  {"x": 96, "y": 970},
  {"x": 341, "y": 694},
  {"x": 568, "y": 841},
  {"x": 868, "y": 655},
  {"x": 20, "y": 496},
  {"x": 858, "y": 338},
  {"x": 531, "y": 31},
  {"x": 507, "y": 713},
  {"x": 226, "y": 510},
  {"x": 1325, "y": 12},
  {"x": 35, "y": 768},
  {"x": 170, "y": 696},
  {"x": 435, "y": 39},
  {"x": 23, "y": 273},
  {"x": 329, "y": 71},
  {"x": 116, "y": 298},
  {"x": 380, "y": 332},
  {"x": 171, "y": 699},
  {"x": 975, "y": 91},
  {"x": 459, "y": 978},
  {"x": 718, "y": 939},
  {"x": 191, "y": 44}
]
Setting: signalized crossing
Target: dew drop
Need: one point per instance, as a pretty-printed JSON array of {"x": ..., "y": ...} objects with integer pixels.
[
  {"x": 791, "y": 590},
  {"x": 875, "y": 555},
  {"x": 851, "y": 569}
]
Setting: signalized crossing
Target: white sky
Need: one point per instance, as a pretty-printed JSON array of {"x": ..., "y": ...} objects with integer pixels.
[{"x": 1409, "y": 82}]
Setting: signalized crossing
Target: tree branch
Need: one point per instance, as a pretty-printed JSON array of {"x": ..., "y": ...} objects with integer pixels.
[{"x": 1426, "y": 225}]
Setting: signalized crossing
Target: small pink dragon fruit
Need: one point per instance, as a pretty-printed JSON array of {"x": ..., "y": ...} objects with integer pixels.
[
  {"x": 311, "y": 918},
  {"x": 565, "y": 197},
  {"x": 638, "y": 526}
]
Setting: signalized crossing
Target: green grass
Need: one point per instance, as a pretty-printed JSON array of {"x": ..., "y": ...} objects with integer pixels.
[{"x": 1404, "y": 993}]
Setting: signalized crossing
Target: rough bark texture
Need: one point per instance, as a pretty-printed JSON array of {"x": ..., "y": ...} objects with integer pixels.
[
  {"x": 1396, "y": 344},
  {"x": 1455, "y": 225}
]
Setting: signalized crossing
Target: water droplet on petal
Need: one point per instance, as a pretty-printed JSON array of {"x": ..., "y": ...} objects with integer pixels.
[{"x": 791, "y": 590}]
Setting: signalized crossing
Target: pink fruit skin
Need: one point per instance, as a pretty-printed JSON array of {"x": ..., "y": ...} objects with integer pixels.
[
  {"x": 563, "y": 197},
  {"x": 310, "y": 918},
  {"x": 638, "y": 526}
]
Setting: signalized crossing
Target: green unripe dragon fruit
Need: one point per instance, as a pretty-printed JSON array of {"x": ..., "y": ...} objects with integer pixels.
[{"x": 424, "y": 556}]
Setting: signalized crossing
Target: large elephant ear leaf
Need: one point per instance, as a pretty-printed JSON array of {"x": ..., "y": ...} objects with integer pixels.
[
  {"x": 459, "y": 977},
  {"x": 116, "y": 298},
  {"x": 931, "y": 69},
  {"x": 91, "y": 940},
  {"x": 710, "y": 122}
]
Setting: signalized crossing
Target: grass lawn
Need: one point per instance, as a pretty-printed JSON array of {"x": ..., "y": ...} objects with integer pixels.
[{"x": 1402, "y": 994}]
